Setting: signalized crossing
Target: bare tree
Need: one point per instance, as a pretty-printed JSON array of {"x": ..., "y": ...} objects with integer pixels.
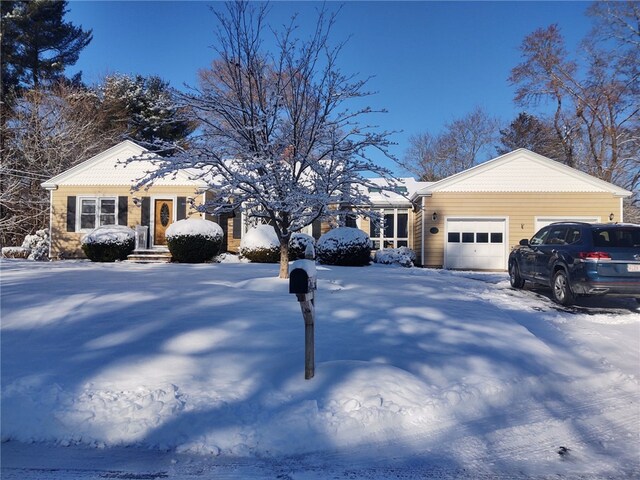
[
  {"x": 276, "y": 136},
  {"x": 463, "y": 143},
  {"x": 51, "y": 130},
  {"x": 597, "y": 107}
]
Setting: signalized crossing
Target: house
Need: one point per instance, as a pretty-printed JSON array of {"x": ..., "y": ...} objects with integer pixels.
[
  {"x": 473, "y": 219},
  {"x": 99, "y": 192},
  {"x": 470, "y": 220}
]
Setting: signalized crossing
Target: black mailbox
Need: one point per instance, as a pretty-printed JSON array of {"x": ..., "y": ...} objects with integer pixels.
[{"x": 298, "y": 281}]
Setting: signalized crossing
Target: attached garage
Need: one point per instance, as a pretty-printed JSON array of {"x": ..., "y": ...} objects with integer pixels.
[
  {"x": 476, "y": 243},
  {"x": 473, "y": 219}
]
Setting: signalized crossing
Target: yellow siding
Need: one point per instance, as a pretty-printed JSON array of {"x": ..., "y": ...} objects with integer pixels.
[
  {"x": 520, "y": 209},
  {"x": 67, "y": 244}
]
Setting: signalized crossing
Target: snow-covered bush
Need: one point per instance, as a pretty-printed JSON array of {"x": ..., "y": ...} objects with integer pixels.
[
  {"x": 194, "y": 240},
  {"x": 402, "y": 256},
  {"x": 109, "y": 243},
  {"x": 38, "y": 245},
  {"x": 298, "y": 245},
  {"x": 15, "y": 252},
  {"x": 344, "y": 246},
  {"x": 260, "y": 245}
]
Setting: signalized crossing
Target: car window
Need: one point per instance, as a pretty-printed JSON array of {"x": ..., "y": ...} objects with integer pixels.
[
  {"x": 539, "y": 238},
  {"x": 556, "y": 236},
  {"x": 573, "y": 235},
  {"x": 617, "y": 237}
]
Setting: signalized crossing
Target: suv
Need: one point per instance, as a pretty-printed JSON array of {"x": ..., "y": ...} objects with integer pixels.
[{"x": 580, "y": 259}]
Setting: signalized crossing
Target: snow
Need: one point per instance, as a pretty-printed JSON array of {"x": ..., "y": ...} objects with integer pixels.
[
  {"x": 194, "y": 226},
  {"x": 419, "y": 374},
  {"x": 402, "y": 256},
  {"x": 260, "y": 236},
  {"x": 109, "y": 234},
  {"x": 342, "y": 237}
]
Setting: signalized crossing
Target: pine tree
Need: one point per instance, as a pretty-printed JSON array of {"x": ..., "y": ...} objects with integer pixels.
[{"x": 37, "y": 43}]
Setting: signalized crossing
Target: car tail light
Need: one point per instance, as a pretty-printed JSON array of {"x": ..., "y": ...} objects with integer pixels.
[{"x": 594, "y": 256}]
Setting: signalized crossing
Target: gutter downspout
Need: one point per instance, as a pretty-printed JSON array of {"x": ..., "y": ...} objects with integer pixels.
[{"x": 423, "y": 234}]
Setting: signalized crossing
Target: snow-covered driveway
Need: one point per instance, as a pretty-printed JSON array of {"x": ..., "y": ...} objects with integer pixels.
[{"x": 420, "y": 373}]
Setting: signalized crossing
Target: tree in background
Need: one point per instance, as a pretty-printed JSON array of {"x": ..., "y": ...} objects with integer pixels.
[
  {"x": 276, "y": 137},
  {"x": 51, "y": 130},
  {"x": 145, "y": 107},
  {"x": 463, "y": 143},
  {"x": 37, "y": 44},
  {"x": 533, "y": 133},
  {"x": 597, "y": 108}
]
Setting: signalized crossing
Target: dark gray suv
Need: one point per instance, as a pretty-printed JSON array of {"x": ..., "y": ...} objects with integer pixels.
[{"x": 580, "y": 259}]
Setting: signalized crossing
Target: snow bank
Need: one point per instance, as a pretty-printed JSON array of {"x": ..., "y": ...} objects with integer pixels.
[
  {"x": 195, "y": 226},
  {"x": 411, "y": 362},
  {"x": 112, "y": 234}
]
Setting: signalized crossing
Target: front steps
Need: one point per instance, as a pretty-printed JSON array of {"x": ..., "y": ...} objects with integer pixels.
[{"x": 150, "y": 256}]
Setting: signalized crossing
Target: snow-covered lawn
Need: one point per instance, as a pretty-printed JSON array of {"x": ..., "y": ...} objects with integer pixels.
[{"x": 421, "y": 373}]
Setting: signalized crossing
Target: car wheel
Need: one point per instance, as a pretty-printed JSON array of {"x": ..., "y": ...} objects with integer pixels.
[
  {"x": 561, "y": 289},
  {"x": 514, "y": 276}
]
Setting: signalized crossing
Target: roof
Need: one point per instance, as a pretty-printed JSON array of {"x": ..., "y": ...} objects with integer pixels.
[
  {"x": 522, "y": 171},
  {"x": 389, "y": 198},
  {"x": 109, "y": 168}
]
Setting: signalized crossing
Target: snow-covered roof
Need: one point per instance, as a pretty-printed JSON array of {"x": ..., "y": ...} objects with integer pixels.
[
  {"x": 108, "y": 168},
  {"x": 522, "y": 171},
  {"x": 408, "y": 187}
]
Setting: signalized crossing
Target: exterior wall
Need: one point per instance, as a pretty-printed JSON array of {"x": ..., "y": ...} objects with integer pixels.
[
  {"x": 520, "y": 209},
  {"x": 67, "y": 244}
]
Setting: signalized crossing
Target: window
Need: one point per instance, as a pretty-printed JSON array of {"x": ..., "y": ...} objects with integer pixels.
[
  {"x": 496, "y": 237},
  {"x": 393, "y": 231},
  {"x": 97, "y": 212},
  {"x": 454, "y": 237},
  {"x": 467, "y": 237},
  {"x": 539, "y": 238},
  {"x": 482, "y": 237}
]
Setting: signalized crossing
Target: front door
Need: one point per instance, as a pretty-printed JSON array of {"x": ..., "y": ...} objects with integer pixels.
[{"x": 162, "y": 219}]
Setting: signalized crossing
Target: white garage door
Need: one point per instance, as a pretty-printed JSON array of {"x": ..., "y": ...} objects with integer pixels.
[
  {"x": 475, "y": 243},
  {"x": 544, "y": 221}
]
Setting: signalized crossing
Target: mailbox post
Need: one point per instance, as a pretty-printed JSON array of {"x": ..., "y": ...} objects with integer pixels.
[{"x": 302, "y": 282}]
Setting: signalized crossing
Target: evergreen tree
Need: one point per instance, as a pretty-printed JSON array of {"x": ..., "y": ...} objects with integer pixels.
[
  {"x": 147, "y": 106},
  {"x": 37, "y": 44},
  {"x": 530, "y": 132}
]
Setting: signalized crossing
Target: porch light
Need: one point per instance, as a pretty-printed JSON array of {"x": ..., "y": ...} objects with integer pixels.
[
  {"x": 611, "y": 217},
  {"x": 434, "y": 217}
]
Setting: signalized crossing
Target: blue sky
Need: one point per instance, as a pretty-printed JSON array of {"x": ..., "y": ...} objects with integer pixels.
[{"x": 432, "y": 62}]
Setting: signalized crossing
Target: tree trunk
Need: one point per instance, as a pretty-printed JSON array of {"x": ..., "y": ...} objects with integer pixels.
[{"x": 284, "y": 258}]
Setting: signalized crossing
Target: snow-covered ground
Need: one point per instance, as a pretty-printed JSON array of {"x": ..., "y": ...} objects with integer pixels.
[{"x": 197, "y": 371}]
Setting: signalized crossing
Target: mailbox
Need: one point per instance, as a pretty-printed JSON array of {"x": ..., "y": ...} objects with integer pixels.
[
  {"x": 299, "y": 281},
  {"x": 302, "y": 278}
]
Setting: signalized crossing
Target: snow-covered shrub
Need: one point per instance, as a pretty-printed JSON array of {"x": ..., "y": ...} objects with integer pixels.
[
  {"x": 38, "y": 245},
  {"x": 194, "y": 240},
  {"x": 344, "y": 246},
  {"x": 260, "y": 245},
  {"x": 298, "y": 245},
  {"x": 402, "y": 256},
  {"x": 109, "y": 243},
  {"x": 15, "y": 252}
]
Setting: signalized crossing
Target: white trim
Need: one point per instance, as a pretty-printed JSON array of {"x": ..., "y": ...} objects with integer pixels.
[
  {"x": 621, "y": 210},
  {"x": 395, "y": 239},
  {"x": 51, "y": 219},
  {"x": 474, "y": 218},
  {"x": 423, "y": 232},
  {"x": 152, "y": 215},
  {"x": 126, "y": 144},
  {"x": 532, "y": 156}
]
